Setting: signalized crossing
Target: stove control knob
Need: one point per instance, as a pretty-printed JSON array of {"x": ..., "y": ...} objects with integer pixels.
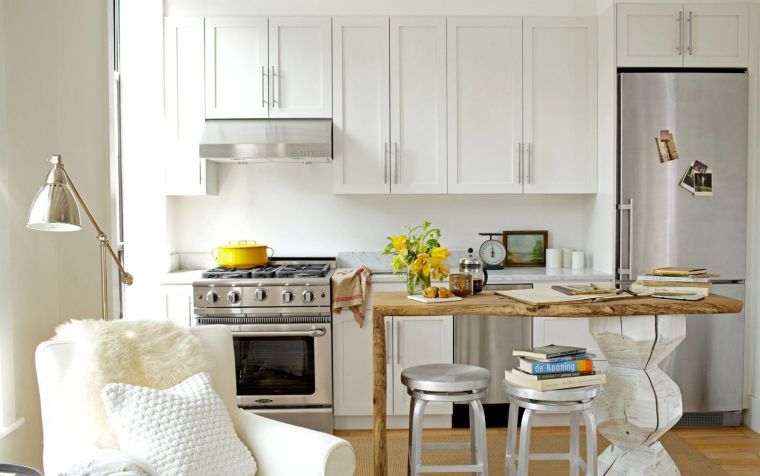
[
  {"x": 261, "y": 294},
  {"x": 212, "y": 297},
  {"x": 287, "y": 297},
  {"x": 308, "y": 296},
  {"x": 233, "y": 297}
]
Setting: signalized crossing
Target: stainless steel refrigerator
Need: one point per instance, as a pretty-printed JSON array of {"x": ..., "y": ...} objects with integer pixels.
[{"x": 662, "y": 224}]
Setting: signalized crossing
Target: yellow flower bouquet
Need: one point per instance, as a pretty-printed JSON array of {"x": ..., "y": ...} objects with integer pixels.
[{"x": 420, "y": 255}]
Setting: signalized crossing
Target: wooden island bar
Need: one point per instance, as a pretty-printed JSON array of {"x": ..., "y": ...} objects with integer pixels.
[{"x": 639, "y": 403}]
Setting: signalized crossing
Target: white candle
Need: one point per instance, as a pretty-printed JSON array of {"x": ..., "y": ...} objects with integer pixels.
[
  {"x": 553, "y": 258},
  {"x": 579, "y": 260}
]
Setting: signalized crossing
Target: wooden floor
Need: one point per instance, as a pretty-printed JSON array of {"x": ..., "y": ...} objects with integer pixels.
[{"x": 736, "y": 450}]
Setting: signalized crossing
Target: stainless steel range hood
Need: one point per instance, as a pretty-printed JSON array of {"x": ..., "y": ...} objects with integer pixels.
[{"x": 267, "y": 140}]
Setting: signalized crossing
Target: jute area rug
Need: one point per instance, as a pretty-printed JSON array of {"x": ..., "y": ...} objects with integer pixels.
[{"x": 689, "y": 460}]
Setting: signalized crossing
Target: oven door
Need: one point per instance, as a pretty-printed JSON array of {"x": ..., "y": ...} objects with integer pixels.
[{"x": 282, "y": 365}]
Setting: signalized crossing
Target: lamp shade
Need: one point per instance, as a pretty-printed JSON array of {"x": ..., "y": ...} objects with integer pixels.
[{"x": 54, "y": 207}]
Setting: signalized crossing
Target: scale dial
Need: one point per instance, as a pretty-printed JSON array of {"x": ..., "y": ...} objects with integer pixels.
[{"x": 492, "y": 252}]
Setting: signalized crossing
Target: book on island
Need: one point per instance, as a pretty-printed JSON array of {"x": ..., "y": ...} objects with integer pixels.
[
  {"x": 581, "y": 356},
  {"x": 581, "y": 289},
  {"x": 639, "y": 288},
  {"x": 548, "y": 351},
  {"x": 704, "y": 278},
  {"x": 551, "y": 376},
  {"x": 567, "y": 366},
  {"x": 673, "y": 271},
  {"x": 677, "y": 284},
  {"x": 554, "y": 383}
]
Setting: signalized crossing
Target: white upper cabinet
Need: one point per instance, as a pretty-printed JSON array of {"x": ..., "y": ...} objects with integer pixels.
[
  {"x": 186, "y": 172},
  {"x": 236, "y": 67},
  {"x": 361, "y": 105},
  {"x": 559, "y": 105},
  {"x": 418, "y": 104},
  {"x": 300, "y": 67},
  {"x": 484, "y": 104},
  {"x": 676, "y": 35},
  {"x": 649, "y": 35},
  {"x": 716, "y": 35}
]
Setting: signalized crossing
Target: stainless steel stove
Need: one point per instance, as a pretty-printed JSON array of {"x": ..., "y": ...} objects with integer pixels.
[{"x": 282, "y": 337}]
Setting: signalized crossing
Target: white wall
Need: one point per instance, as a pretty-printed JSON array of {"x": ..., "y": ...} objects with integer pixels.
[
  {"x": 292, "y": 208},
  {"x": 55, "y": 65}
]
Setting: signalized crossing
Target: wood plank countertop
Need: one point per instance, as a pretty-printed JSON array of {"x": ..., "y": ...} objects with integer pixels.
[{"x": 489, "y": 303}]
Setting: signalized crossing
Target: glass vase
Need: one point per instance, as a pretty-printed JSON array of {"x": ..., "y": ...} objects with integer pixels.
[{"x": 416, "y": 282}]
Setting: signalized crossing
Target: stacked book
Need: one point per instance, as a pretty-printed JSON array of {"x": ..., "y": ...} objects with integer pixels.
[
  {"x": 553, "y": 367},
  {"x": 675, "y": 283}
]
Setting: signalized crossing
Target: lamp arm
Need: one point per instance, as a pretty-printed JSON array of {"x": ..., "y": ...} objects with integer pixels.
[{"x": 125, "y": 277}]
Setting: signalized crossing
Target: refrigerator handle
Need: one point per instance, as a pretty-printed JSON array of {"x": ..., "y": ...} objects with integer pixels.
[{"x": 622, "y": 207}]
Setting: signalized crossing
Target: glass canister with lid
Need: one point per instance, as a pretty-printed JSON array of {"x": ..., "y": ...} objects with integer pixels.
[{"x": 472, "y": 266}]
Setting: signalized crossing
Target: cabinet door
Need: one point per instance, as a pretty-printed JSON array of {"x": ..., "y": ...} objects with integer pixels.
[
  {"x": 565, "y": 331},
  {"x": 361, "y": 105},
  {"x": 716, "y": 36},
  {"x": 299, "y": 66},
  {"x": 418, "y": 104},
  {"x": 186, "y": 172},
  {"x": 559, "y": 122},
  {"x": 484, "y": 104},
  {"x": 236, "y": 67},
  {"x": 417, "y": 341},
  {"x": 650, "y": 35},
  {"x": 352, "y": 365},
  {"x": 178, "y": 304}
]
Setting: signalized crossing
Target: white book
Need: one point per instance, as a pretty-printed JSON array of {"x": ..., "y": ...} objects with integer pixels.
[{"x": 514, "y": 378}]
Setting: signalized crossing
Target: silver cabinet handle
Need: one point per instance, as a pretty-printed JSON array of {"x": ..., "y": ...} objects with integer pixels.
[
  {"x": 528, "y": 158},
  {"x": 622, "y": 207},
  {"x": 395, "y": 162},
  {"x": 275, "y": 98},
  {"x": 679, "y": 38},
  {"x": 691, "y": 26},
  {"x": 386, "y": 162},
  {"x": 388, "y": 338},
  {"x": 263, "y": 85},
  {"x": 519, "y": 162},
  {"x": 398, "y": 342}
]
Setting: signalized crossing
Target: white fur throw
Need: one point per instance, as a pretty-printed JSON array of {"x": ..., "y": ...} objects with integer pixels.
[{"x": 155, "y": 354}]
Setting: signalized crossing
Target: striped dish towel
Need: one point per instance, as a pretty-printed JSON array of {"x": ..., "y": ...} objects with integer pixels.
[{"x": 350, "y": 290}]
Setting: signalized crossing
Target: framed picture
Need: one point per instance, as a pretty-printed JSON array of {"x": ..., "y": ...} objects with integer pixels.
[{"x": 526, "y": 248}]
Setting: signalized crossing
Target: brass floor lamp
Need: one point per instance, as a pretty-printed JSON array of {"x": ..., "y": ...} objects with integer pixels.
[{"x": 55, "y": 209}]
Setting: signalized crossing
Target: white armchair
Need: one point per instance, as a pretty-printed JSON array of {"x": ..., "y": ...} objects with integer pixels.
[{"x": 279, "y": 449}]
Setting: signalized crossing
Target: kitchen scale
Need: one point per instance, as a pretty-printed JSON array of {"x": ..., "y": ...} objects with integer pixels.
[{"x": 492, "y": 252}]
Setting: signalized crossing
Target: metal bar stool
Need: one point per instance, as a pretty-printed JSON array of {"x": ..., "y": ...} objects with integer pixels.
[
  {"x": 575, "y": 401},
  {"x": 447, "y": 383}
]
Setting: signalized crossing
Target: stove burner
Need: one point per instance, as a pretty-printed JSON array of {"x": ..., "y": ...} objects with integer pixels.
[
  {"x": 303, "y": 271},
  {"x": 267, "y": 271},
  {"x": 227, "y": 273}
]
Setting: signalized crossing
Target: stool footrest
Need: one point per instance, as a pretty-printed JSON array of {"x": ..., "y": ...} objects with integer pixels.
[
  {"x": 446, "y": 446},
  {"x": 548, "y": 457},
  {"x": 453, "y": 468}
]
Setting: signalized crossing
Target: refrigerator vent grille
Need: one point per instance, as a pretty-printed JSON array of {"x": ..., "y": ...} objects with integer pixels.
[{"x": 709, "y": 419}]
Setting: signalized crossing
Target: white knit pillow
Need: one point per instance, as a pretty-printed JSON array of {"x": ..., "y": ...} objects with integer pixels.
[{"x": 184, "y": 430}]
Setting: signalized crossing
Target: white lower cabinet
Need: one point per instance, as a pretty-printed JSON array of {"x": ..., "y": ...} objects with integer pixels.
[
  {"x": 564, "y": 331},
  {"x": 178, "y": 304},
  {"x": 410, "y": 340},
  {"x": 419, "y": 341}
]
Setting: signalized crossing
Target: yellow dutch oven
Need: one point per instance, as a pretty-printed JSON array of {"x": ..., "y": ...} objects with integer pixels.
[{"x": 242, "y": 254}]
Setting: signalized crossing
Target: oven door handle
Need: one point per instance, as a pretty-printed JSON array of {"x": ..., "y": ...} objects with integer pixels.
[{"x": 320, "y": 332}]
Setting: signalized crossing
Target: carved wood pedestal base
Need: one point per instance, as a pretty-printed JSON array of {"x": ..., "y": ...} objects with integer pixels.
[{"x": 640, "y": 402}]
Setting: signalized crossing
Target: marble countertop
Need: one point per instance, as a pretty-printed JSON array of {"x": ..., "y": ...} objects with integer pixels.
[{"x": 382, "y": 273}]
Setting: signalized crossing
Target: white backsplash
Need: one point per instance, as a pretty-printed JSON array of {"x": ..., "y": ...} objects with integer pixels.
[{"x": 293, "y": 209}]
